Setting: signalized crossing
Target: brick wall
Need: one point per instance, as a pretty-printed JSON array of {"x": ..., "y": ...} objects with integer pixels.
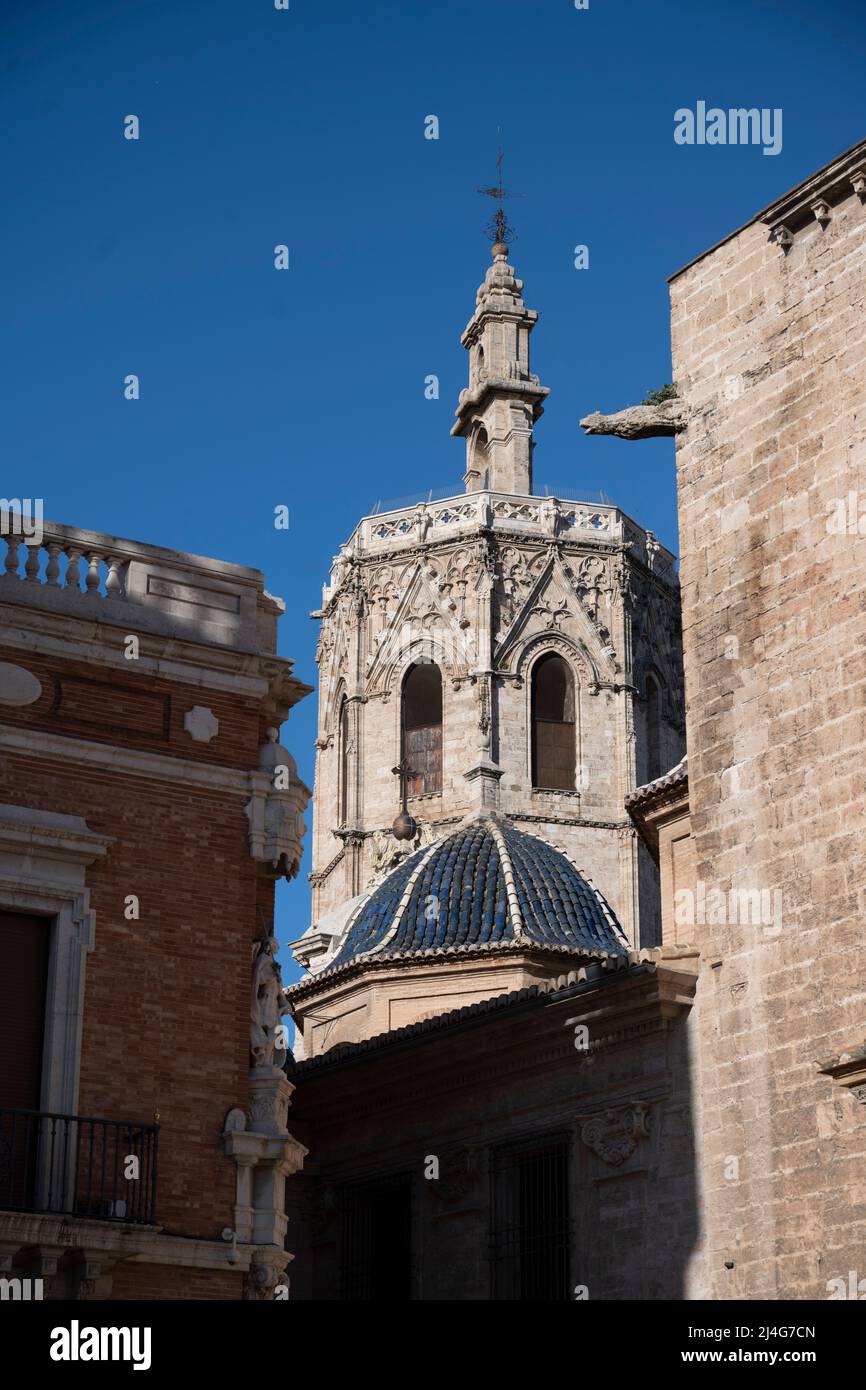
[{"x": 166, "y": 1011}]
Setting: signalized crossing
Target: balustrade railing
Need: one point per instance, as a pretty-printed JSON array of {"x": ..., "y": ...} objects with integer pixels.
[
  {"x": 56, "y": 561},
  {"x": 433, "y": 517},
  {"x": 74, "y": 1165}
]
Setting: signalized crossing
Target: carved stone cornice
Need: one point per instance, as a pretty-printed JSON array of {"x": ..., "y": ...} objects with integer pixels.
[
  {"x": 816, "y": 197},
  {"x": 849, "y": 1069}
]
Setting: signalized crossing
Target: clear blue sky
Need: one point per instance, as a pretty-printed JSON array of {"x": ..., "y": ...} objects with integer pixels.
[{"x": 305, "y": 127}]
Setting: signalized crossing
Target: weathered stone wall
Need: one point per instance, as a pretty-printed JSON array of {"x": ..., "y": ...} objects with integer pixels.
[
  {"x": 769, "y": 352},
  {"x": 457, "y": 1093}
]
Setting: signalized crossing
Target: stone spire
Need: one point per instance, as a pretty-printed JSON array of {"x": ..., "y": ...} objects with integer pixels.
[{"x": 497, "y": 412}]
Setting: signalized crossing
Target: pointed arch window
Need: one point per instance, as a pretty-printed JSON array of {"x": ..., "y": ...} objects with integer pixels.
[
  {"x": 554, "y": 745},
  {"x": 344, "y": 761},
  {"x": 653, "y": 728},
  {"x": 421, "y": 728},
  {"x": 481, "y": 456}
]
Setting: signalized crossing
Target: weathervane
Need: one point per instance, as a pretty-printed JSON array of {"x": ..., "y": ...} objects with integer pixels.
[{"x": 500, "y": 230}]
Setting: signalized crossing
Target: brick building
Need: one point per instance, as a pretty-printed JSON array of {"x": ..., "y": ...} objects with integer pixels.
[{"x": 146, "y": 813}]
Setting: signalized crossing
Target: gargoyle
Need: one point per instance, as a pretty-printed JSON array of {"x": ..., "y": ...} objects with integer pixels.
[{"x": 640, "y": 421}]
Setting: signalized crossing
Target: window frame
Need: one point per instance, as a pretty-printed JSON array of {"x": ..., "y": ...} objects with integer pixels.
[{"x": 543, "y": 655}]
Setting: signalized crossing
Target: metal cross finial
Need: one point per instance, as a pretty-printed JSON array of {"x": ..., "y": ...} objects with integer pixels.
[
  {"x": 500, "y": 229},
  {"x": 405, "y": 827},
  {"x": 404, "y": 771}
]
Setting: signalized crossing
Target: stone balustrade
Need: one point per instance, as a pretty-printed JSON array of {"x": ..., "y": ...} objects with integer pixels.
[
  {"x": 55, "y": 560},
  {"x": 553, "y": 517},
  {"x": 74, "y": 571}
]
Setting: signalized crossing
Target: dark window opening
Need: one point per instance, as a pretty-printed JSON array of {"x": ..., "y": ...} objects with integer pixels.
[
  {"x": 24, "y": 942},
  {"x": 376, "y": 1243},
  {"x": 422, "y": 729},
  {"x": 553, "y": 724},
  {"x": 344, "y": 762},
  {"x": 481, "y": 454},
  {"x": 653, "y": 729},
  {"x": 530, "y": 1224}
]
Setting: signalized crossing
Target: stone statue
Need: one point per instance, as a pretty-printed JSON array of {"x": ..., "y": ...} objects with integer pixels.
[
  {"x": 267, "y": 1005},
  {"x": 421, "y": 523}
]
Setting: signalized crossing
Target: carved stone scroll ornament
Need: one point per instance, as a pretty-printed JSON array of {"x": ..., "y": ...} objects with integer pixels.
[
  {"x": 388, "y": 852},
  {"x": 458, "y": 1174},
  {"x": 614, "y": 1134}
]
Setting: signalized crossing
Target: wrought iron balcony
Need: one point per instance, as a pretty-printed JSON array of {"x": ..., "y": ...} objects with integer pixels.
[{"x": 75, "y": 1165}]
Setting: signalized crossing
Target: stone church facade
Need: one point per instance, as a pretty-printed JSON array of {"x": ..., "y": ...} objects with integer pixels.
[
  {"x": 670, "y": 1107},
  {"x": 492, "y": 1050},
  {"x": 482, "y": 589},
  {"x": 582, "y": 1015}
]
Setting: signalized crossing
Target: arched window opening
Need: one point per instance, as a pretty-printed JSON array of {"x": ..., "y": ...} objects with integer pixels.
[
  {"x": 344, "y": 762},
  {"x": 553, "y": 724},
  {"x": 422, "y": 728},
  {"x": 653, "y": 729},
  {"x": 481, "y": 457}
]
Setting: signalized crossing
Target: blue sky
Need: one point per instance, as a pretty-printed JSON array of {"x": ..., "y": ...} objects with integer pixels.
[{"x": 306, "y": 127}]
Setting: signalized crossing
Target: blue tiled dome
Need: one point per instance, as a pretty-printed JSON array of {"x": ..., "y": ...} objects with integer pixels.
[{"x": 484, "y": 884}]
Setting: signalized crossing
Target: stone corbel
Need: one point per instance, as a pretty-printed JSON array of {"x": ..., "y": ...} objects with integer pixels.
[
  {"x": 858, "y": 183},
  {"x": 91, "y": 1274},
  {"x": 821, "y": 209},
  {"x": 782, "y": 236},
  {"x": 267, "y": 1280},
  {"x": 640, "y": 421},
  {"x": 265, "y": 1155}
]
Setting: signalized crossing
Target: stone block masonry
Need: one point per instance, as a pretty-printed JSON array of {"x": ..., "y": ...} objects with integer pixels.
[{"x": 769, "y": 353}]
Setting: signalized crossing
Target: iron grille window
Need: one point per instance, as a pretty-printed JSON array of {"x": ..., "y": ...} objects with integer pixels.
[
  {"x": 376, "y": 1246},
  {"x": 530, "y": 1225}
]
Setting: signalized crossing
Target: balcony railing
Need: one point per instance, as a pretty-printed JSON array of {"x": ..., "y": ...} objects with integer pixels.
[{"x": 74, "y": 1165}]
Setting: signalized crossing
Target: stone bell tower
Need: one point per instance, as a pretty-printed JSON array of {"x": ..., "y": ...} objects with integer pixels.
[
  {"x": 518, "y": 655},
  {"x": 497, "y": 411}
]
